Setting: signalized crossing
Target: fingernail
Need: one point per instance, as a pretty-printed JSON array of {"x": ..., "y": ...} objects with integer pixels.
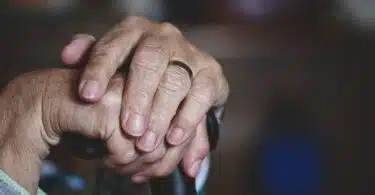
[
  {"x": 139, "y": 179},
  {"x": 147, "y": 141},
  {"x": 89, "y": 89},
  {"x": 135, "y": 124},
  {"x": 176, "y": 136},
  {"x": 195, "y": 168}
]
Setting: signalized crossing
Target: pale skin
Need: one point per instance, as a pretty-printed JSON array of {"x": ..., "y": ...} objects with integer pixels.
[
  {"x": 154, "y": 91},
  {"x": 38, "y": 107}
]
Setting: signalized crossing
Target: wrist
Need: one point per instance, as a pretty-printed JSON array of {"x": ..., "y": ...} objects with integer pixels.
[
  {"x": 22, "y": 164},
  {"x": 22, "y": 147}
]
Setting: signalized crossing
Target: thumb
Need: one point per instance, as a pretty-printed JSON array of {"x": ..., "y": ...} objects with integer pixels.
[{"x": 67, "y": 113}]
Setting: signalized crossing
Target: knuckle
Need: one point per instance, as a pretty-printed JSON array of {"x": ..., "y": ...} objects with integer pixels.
[
  {"x": 168, "y": 28},
  {"x": 100, "y": 50},
  {"x": 151, "y": 56},
  {"x": 109, "y": 40},
  {"x": 103, "y": 53},
  {"x": 158, "y": 116},
  {"x": 192, "y": 48},
  {"x": 139, "y": 100},
  {"x": 133, "y": 20},
  {"x": 142, "y": 78},
  {"x": 175, "y": 80},
  {"x": 156, "y": 45},
  {"x": 145, "y": 64},
  {"x": 142, "y": 94},
  {"x": 213, "y": 63},
  {"x": 203, "y": 95},
  {"x": 204, "y": 89},
  {"x": 113, "y": 39},
  {"x": 210, "y": 62}
]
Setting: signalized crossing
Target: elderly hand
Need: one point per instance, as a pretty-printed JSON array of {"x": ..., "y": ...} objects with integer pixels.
[
  {"x": 38, "y": 107},
  {"x": 170, "y": 87}
]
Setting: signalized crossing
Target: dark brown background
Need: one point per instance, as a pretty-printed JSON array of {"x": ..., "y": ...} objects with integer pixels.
[{"x": 308, "y": 55}]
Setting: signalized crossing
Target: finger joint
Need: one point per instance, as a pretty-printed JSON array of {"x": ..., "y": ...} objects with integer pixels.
[{"x": 175, "y": 80}]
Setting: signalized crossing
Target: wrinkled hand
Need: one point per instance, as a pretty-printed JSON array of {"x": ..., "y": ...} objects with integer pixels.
[
  {"x": 38, "y": 107},
  {"x": 160, "y": 102}
]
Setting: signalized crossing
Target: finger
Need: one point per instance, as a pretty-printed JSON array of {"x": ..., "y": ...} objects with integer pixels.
[
  {"x": 206, "y": 61},
  {"x": 147, "y": 67},
  {"x": 197, "y": 151},
  {"x": 148, "y": 64},
  {"x": 108, "y": 55},
  {"x": 198, "y": 101},
  {"x": 143, "y": 161},
  {"x": 172, "y": 89},
  {"x": 121, "y": 148},
  {"x": 73, "y": 53},
  {"x": 162, "y": 168},
  {"x": 222, "y": 88},
  {"x": 166, "y": 165}
]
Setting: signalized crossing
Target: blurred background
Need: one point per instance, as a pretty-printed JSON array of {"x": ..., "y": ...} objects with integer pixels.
[{"x": 298, "y": 120}]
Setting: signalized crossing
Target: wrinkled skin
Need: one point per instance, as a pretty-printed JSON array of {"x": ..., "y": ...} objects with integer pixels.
[
  {"x": 150, "y": 119},
  {"x": 38, "y": 107},
  {"x": 160, "y": 104}
]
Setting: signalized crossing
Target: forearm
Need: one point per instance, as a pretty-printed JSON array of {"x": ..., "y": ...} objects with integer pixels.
[{"x": 23, "y": 168}]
